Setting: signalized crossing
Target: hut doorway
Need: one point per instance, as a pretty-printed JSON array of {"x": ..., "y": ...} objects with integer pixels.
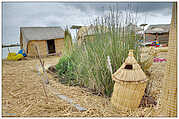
[{"x": 51, "y": 46}]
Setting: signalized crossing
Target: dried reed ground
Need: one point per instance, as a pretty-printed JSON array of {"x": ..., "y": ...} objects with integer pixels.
[{"x": 22, "y": 94}]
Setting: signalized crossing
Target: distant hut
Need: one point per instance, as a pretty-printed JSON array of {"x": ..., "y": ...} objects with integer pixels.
[
  {"x": 158, "y": 32},
  {"x": 90, "y": 32},
  {"x": 134, "y": 27},
  {"x": 49, "y": 40},
  {"x": 86, "y": 32}
]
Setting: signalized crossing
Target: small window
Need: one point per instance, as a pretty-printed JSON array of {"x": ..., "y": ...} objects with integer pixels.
[{"x": 128, "y": 66}]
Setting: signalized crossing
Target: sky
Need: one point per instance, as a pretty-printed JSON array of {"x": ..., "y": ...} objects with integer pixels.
[{"x": 29, "y": 14}]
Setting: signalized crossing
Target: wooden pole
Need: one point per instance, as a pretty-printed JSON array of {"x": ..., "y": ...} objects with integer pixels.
[
  {"x": 42, "y": 65},
  {"x": 43, "y": 80}
]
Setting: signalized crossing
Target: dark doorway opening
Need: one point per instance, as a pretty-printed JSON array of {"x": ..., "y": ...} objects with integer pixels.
[
  {"x": 128, "y": 66},
  {"x": 51, "y": 46}
]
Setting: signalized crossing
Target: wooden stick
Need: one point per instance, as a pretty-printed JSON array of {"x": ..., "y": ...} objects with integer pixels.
[
  {"x": 44, "y": 89},
  {"x": 43, "y": 80},
  {"x": 43, "y": 83},
  {"x": 42, "y": 65},
  {"x": 109, "y": 65}
]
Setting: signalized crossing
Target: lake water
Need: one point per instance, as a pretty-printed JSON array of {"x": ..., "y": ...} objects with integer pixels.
[{"x": 12, "y": 49}]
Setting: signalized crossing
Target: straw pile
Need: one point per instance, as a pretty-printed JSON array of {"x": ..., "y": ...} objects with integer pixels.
[
  {"x": 169, "y": 84},
  {"x": 130, "y": 83}
]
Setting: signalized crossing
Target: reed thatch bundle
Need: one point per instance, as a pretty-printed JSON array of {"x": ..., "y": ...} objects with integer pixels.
[
  {"x": 169, "y": 84},
  {"x": 148, "y": 63},
  {"x": 130, "y": 83}
]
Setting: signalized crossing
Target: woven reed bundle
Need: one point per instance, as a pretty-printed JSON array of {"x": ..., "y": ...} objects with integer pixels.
[
  {"x": 147, "y": 56},
  {"x": 148, "y": 63},
  {"x": 130, "y": 83},
  {"x": 144, "y": 55},
  {"x": 169, "y": 84}
]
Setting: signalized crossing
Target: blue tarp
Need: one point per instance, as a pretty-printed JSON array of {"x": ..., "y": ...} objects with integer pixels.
[{"x": 21, "y": 51}]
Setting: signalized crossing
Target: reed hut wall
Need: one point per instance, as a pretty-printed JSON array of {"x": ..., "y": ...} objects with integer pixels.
[
  {"x": 42, "y": 47},
  {"x": 127, "y": 96},
  {"x": 59, "y": 45},
  {"x": 169, "y": 83},
  {"x": 162, "y": 37}
]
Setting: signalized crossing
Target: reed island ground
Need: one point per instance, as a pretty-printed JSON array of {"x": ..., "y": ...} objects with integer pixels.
[{"x": 23, "y": 96}]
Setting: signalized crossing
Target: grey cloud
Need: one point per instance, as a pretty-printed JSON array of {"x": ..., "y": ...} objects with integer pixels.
[
  {"x": 139, "y": 6},
  {"x": 16, "y": 15},
  {"x": 152, "y": 6}
]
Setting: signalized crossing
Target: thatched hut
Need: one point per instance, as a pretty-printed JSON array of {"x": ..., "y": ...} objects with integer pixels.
[
  {"x": 159, "y": 32},
  {"x": 49, "y": 40},
  {"x": 85, "y": 32},
  {"x": 130, "y": 84},
  {"x": 89, "y": 32}
]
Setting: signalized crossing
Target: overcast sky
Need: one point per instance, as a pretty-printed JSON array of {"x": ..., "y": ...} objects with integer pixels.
[{"x": 20, "y": 14}]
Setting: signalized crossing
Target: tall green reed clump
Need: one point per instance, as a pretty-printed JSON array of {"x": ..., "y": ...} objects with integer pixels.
[
  {"x": 68, "y": 39},
  {"x": 107, "y": 36}
]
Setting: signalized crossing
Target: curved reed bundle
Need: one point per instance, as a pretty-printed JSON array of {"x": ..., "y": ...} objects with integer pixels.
[
  {"x": 147, "y": 57},
  {"x": 130, "y": 83},
  {"x": 148, "y": 63}
]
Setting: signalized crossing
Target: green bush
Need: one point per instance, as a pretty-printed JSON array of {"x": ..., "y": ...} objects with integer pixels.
[{"x": 65, "y": 70}]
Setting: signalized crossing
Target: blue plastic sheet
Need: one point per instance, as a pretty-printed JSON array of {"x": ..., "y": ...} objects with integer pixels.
[{"x": 21, "y": 51}]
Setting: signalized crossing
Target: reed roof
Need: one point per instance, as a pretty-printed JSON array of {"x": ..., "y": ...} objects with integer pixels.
[
  {"x": 130, "y": 71},
  {"x": 159, "y": 28},
  {"x": 40, "y": 33}
]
